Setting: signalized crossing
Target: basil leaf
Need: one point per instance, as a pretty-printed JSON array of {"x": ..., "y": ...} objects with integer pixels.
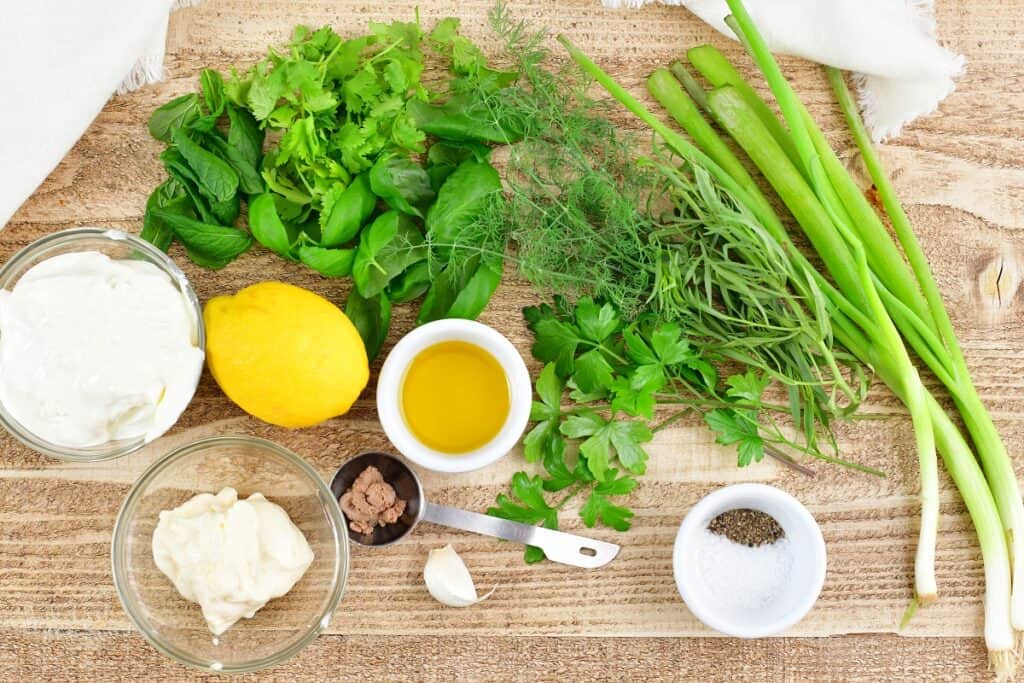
[
  {"x": 372, "y": 317},
  {"x": 209, "y": 243},
  {"x": 439, "y": 298},
  {"x": 451, "y": 153},
  {"x": 215, "y": 177},
  {"x": 169, "y": 117},
  {"x": 474, "y": 295},
  {"x": 327, "y": 262},
  {"x": 386, "y": 248},
  {"x": 266, "y": 226},
  {"x": 444, "y": 157},
  {"x": 212, "y": 86},
  {"x": 411, "y": 284},
  {"x": 464, "y": 118},
  {"x": 402, "y": 183},
  {"x": 460, "y": 201},
  {"x": 462, "y": 294},
  {"x": 342, "y": 218}
]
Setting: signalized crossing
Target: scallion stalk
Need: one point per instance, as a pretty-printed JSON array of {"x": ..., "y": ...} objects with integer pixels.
[
  {"x": 666, "y": 89},
  {"x": 999, "y": 471},
  {"x": 1000, "y": 635},
  {"x": 719, "y": 71}
]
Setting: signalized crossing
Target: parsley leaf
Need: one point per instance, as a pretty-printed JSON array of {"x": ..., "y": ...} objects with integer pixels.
[
  {"x": 605, "y": 435},
  {"x": 738, "y": 427},
  {"x": 598, "y": 505},
  {"x": 596, "y": 323},
  {"x": 749, "y": 386},
  {"x": 527, "y": 505}
]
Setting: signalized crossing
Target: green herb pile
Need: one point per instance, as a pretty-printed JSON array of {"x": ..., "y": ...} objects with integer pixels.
[
  {"x": 877, "y": 293},
  {"x": 670, "y": 299},
  {"x": 347, "y": 162},
  {"x": 677, "y": 287}
]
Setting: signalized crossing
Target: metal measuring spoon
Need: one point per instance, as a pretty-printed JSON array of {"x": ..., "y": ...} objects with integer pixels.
[{"x": 558, "y": 546}]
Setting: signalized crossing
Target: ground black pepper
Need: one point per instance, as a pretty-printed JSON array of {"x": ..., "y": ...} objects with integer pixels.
[{"x": 747, "y": 527}]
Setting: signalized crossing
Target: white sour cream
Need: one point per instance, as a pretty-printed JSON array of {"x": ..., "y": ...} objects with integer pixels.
[
  {"x": 94, "y": 349},
  {"x": 231, "y": 556}
]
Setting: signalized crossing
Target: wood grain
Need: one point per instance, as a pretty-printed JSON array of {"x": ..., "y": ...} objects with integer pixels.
[{"x": 960, "y": 172}]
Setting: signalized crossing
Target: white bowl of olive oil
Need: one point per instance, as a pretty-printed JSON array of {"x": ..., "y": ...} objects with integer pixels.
[{"x": 454, "y": 396}]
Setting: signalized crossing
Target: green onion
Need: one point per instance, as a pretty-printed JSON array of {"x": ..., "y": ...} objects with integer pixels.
[
  {"x": 953, "y": 372},
  {"x": 999, "y": 631}
]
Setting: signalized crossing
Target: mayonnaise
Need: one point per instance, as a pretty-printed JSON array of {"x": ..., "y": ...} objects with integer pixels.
[
  {"x": 94, "y": 349},
  {"x": 231, "y": 556}
]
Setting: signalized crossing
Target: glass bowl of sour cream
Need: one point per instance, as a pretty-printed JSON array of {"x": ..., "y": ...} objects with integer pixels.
[
  {"x": 285, "y": 558},
  {"x": 101, "y": 344}
]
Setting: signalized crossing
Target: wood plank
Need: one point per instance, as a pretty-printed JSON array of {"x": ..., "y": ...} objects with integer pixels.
[
  {"x": 961, "y": 173},
  {"x": 83, "y": 656}
]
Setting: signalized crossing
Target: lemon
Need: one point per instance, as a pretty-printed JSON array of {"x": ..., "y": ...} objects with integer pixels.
[{"x": 285, "y": 354}]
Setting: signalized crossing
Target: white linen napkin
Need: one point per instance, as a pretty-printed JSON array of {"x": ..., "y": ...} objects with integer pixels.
[
  {"x": 62, "y": 60},
  {"x": 901, "y": 71}
]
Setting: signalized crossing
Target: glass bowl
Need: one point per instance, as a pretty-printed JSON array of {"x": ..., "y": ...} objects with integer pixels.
[
  {"x": 118, "y": 245},
  {"x": 285, "y": 625}
]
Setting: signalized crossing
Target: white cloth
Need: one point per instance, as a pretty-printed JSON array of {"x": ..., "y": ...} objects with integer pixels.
[
  {"x": 900, "y": 69},
  {"x": 62, "y": 60}
]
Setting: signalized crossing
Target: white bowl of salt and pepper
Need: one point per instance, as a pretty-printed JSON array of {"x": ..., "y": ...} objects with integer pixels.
[{"x": 749, "y": 560}]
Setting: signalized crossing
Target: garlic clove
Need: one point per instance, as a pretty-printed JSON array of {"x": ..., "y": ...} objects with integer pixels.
[{"x": 448, "y": 580}]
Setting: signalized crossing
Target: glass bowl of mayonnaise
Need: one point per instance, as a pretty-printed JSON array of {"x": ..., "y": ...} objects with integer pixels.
[
  {"x": 230, "y": 554},
  {"x": 101, "y": 344}
]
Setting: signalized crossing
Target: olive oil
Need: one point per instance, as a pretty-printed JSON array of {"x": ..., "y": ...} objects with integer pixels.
[{"x": 455, "y": 397}]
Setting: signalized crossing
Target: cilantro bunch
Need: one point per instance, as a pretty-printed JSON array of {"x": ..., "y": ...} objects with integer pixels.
[{"x": 336, "y": 104}]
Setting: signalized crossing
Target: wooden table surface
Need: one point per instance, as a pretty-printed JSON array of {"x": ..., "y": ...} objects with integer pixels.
[{"x": 961, "y": 173}]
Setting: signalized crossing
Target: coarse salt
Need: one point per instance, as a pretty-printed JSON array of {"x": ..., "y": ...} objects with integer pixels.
[{"x": 742, "y": 577}]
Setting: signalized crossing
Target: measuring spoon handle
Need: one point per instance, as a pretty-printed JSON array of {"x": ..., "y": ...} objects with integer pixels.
[{"x": 558, "y": 546}]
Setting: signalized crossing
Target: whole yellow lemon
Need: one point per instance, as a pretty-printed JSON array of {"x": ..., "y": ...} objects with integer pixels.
[{"x": 285, "y": 354}]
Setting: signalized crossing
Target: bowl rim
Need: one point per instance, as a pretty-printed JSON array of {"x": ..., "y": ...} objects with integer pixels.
[
  {"x": 161, "y": 260},
  {"x": 392, "y": 376},
  {"x": 768, "y": 498},
  {"x": 118, "y": 538}
]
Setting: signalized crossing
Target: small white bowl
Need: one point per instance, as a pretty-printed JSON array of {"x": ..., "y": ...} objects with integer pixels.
[
  {"x": 392, "y": 376},
  {"x": 808, "y": 569}
]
